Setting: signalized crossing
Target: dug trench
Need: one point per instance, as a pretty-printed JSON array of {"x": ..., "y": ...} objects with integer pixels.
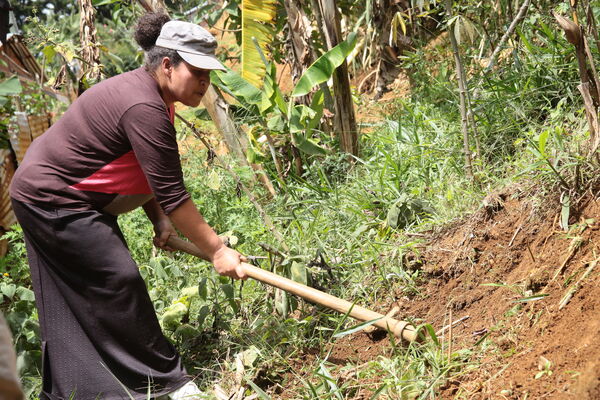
[{"x": 525, "y": 290}]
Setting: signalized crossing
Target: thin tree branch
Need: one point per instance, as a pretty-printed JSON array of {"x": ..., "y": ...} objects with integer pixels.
[{"x": 507, "y": 34}]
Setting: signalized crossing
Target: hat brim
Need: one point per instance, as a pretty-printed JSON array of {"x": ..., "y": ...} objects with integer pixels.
[{"x": 201, "y": 61}]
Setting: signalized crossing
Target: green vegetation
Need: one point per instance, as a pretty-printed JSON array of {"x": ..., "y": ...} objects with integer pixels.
[{"x": 348, "y": 227}]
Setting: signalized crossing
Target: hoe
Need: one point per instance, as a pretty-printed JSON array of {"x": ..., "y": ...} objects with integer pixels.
[{"x": 400, "y": 329}]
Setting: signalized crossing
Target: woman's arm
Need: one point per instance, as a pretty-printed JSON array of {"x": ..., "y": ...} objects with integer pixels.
[
  {"x": 192, "y": 225},
  {"x": 162, "y": 224}
]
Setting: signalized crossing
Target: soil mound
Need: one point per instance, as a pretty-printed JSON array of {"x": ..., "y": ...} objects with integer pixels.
[
  {"x": 530, "y": 289},
  {"x": 526, "y": 292}
]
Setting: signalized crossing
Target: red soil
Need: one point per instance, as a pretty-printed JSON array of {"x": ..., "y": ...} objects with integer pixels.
[{"x": 518, "y": 242}]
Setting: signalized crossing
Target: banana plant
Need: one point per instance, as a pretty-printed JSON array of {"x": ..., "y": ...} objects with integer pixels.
[
  {"x": 278, "y": 115},
  {"x": 258, "y": 20}
]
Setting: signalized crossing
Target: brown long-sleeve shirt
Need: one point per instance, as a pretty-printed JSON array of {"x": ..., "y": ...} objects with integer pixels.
[{"x": 112, "y": 150}]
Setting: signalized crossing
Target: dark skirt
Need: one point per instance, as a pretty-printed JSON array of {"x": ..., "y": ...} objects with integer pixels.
[{"x": 100, "y": 335}]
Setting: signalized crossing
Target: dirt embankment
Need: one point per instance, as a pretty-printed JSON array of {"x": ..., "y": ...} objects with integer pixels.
[
  {"x": 505, "y": 271},
  {"x": 508, "y": 268}
]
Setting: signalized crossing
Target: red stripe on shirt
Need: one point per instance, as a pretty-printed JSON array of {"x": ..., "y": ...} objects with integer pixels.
[{"x": 122, "y": 176}]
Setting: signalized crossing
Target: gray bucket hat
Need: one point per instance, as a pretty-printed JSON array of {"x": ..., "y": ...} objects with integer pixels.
[{"x": 193, "y": 43}]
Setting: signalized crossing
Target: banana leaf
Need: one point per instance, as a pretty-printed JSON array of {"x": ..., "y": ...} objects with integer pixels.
[
  {"x": 258, "y": 19},
  {"x": 306, "y": 145},
  {"x": 322, "y": 69},
  {"x": 272, "y": 95},
  {"x": 239, "y": 87}
]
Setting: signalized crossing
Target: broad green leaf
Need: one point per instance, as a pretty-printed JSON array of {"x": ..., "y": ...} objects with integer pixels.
[
  {"x": 49, "y": 52},
  {"x": 306, "y": 113},
  {"x": 67, "y": 52},
  {"x": 322, "y": 69},
  {"x": 232, "y": 8},
  {"x": 276, "y": 123},
  {"x": 281, "y": 303},
  {"x": 254, "y": 155},
  {"x": 10, "y": 86},
  {"x": 8, "y": 289},
  {"x": 316, "y": 105},
  {"x": 241, "y": 88},
  {"x": 271, "y": 96},
  {"x": 171, "y": 319},
  {"x": 213, "y": 181},
  {"x": 295, "y": 120},
  {"x": 156, "y": 265},
  {"x": 249, "y": 356},
  {"x": 191, "y": 291},
  {"x": 203, "y": 288},
  {"x": 229, "y": 294},
  {"x": 175, "y": 270},
  {"x": 542, "y": 142},
  {"x": 25, "y": 294},
  {"x": 298, "y": 272},
  {"x": 228, "y": 290},
  {"x": 307, "y": 145},
  {"x": 202, "y": 314}
]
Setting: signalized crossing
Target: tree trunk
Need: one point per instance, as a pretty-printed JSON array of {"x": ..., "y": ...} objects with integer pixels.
[
  {"x": 218, "y": 109},
  {"x": 344, "y": 118},
  {"x": 300, "y": 32}
]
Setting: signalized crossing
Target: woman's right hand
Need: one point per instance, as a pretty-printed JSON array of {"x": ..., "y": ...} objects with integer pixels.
[{"x": 228, "y": 262}]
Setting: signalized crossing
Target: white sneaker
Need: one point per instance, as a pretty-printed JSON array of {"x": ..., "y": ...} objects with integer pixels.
[{"x": 189, "y": 391}]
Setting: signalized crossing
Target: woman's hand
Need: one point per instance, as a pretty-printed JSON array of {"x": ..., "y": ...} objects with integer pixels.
[
  {"x": 228, "y": 262},
  {"x": 163, "y": 229}
]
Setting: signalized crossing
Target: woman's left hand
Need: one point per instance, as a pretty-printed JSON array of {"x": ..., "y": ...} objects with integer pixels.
[{"x": 163, "y": 230}]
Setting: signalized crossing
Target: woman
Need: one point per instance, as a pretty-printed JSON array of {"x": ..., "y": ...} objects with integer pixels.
[{"x": 113, "y": 150}]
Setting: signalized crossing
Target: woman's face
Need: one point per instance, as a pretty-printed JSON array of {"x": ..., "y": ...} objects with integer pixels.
[{"x": 188, "y": 84}]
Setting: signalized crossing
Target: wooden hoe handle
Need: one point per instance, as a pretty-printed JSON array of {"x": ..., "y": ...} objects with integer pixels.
[{"x": 401, "y": 329}]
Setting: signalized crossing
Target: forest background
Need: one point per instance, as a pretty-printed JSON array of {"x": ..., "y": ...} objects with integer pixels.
[{"x": 344, "y": 134}]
